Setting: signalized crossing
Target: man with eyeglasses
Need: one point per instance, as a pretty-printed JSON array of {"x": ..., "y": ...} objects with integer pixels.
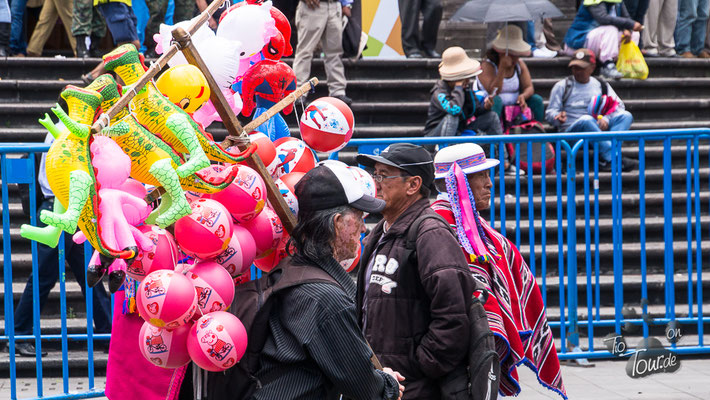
[{"x": 412, "y": 303}]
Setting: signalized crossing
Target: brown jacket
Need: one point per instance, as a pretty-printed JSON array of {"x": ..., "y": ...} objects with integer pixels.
[{"x": 415, "y": 317}]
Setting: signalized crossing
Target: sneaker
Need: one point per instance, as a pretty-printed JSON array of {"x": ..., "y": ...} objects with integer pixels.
[
  {"x": 345, "y": 99},
  {"x": 704, "y": 54},
  {"x": 688, "y": 54},
  {"x": 628, "y": 164},
  {"x": 512, "y": 171},
  {"x": 604, "y": 166},
  {"x": 668, "y": 53},
  {"x": 650, "y": 52},
  {"x": 27, "y": 349},
  {"x": 544, "y": 53},
  {"x": 609, "y": 71},
  {"x": 415, "y": 54}
]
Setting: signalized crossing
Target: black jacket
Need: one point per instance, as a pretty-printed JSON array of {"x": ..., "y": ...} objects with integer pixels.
[
  {"x": 458, "y": 101},
  {"x": 315, "y": 349},
  {"x": 415, "y": 317}
]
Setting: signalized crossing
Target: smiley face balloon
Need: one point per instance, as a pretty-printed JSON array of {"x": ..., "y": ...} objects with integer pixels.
[{"x": 184, "y": 85}]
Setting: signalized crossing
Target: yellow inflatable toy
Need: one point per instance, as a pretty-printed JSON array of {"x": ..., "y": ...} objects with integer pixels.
[
  {"x": 160, "y": 116},
  {"x": 184, "y": 85}
]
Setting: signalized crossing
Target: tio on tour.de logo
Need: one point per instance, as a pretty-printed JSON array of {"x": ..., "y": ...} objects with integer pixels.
[{"x": 649, "y": 357}]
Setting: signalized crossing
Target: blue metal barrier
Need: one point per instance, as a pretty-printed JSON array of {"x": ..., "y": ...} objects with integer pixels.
[
  {"x": 22, "y": 171},
  {"x": 602, "y": 313}
]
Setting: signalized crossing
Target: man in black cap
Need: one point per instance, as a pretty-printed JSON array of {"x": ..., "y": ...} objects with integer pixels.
[
  {"x": 412, "y": 305},
  {"x": 315, "y": 349}
]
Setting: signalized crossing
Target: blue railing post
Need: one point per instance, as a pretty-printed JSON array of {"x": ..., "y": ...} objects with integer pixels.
[
  {"x": 572, "y": 244},
  {"x": 668, "y": 228}
]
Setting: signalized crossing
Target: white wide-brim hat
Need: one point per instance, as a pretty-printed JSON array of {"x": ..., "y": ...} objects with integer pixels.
[
  {"x": 456, "y": 65},
  {"x": 469, "y": 156},
  {"x": 510, "y": 38}
]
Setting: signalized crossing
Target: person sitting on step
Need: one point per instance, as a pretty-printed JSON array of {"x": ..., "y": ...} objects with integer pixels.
[
  {"x": 601, "y": 25},
  {"x": 505, "y": 74},
  {"x": 454, "y": 105},
  {"x": 570, "y": 103}
]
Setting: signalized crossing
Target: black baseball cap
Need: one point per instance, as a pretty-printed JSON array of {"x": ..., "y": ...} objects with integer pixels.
[
  {"x": 331, "y": 185},
  {"x": 413, "y": 159}
]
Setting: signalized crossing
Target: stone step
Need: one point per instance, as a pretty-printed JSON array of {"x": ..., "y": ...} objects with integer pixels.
[
  {"x": 72, "y": 68},
  {"x": 379, "y": 90}
]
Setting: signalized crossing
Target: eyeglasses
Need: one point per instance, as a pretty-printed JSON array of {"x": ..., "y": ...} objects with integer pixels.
[{"x": 379, "y": 178}]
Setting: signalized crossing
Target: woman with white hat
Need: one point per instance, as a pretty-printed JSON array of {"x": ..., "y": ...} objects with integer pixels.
[
  {"x": 454, "y": 105},
  {"x": 506, "y": 75},
  {"x": 514, "y": 303}
]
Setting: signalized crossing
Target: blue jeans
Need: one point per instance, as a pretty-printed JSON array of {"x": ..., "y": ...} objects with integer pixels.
[
  {"x": 48, "y": 274},
  {"x": 18, "y": 44},
  {"x": 691, "y": 27},
  {"x": 620, "y": 121}
]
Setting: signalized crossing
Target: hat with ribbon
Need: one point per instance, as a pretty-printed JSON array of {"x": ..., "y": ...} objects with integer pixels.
[{"x": 469, "y": 156}]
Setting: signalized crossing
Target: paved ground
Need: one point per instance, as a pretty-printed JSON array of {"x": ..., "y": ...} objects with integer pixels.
[{"x": 607, "y": 380}]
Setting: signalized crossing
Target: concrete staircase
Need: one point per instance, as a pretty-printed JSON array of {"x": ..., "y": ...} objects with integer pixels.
[{"x": 391, "y": 100}]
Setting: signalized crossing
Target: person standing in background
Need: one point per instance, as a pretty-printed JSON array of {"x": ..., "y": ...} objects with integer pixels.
[
  {"x": 657, "y": 38},
  {"x": 87, "y": 23},
  {"x": 691, "y": 28},
  {"x": 51, "y": 10},
  {"x": 321, "y": 21},
  {"x": 5, "y": 20},
  {"x": 420, "y": 44}
]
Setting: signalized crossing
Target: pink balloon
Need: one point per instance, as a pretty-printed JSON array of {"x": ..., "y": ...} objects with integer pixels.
[
  {"x": 267, "y": 230},
  {"x": 206, "y": 232},
  {"x": 240, "y": 253},
  {"x": 164, "y": 348},
  {"x": 163, "y": 256},
  {"x": 217, "y": 341},
  {"x": 245, "y": 197},
  {"x": 166, "y": 299},
  {"x": 214, "y": 286}
]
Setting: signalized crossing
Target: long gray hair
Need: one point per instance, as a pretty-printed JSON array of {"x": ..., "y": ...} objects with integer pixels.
[{"x": 315, "y": 231}]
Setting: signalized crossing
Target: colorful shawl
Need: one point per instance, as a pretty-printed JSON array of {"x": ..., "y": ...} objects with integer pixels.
[{"x": 515, "y": 310}]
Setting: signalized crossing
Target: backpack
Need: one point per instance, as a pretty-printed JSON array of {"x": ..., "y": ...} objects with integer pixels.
[
  {"x": 531, "y": 128},
  {"x": 252, "y": 304},
  {"x": 569, "y": 81},
  {"x": 481, "y": 378}
]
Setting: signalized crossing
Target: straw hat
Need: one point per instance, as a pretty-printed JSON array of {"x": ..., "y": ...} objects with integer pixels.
[
  {"x": 510, "y": 38},
  {"x": 456, "y": 65},
  {"x": 469, "y": 156}
]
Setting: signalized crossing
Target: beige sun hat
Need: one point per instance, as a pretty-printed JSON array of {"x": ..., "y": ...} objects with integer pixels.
[
  {"x": 456, "y": 65},
  {"x": 510, "y": 38}
]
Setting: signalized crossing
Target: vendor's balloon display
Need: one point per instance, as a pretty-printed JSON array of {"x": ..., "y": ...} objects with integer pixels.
[
  {"x": 327, "y": 124},
  {"x": 217, "y": 341},
  {"x": 164, "y": 348},
  {"x": 184, "y": 85},
  {"x": 293, "y": 155},
  {"x": 166, "y": 299},
  {"x": 240, "y": 253},
  {"x": 206, "y": 231},
  {"x": 213, "y": 284},
  {"x": 267, "y": 230},
  {"x": 245, "y": 197},
  {"x": 163, "y": 256}
]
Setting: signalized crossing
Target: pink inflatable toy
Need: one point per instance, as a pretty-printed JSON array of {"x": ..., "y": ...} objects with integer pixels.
[
  {"x": 214, "y": 286},
  {"x": 206, "y": 232},
  {"x": 267, "y": 230},
  {"x": 240, "y": 253},
  {"x": 164, "y": 348},
  {"x": 293, "y": 155},
  {"x": 245, "y": 197},
  {"x": 164, "y": 254},
  {"x": 166, "y": 299},
  {"x": 112, "y": 168},
  {"x": 217, "y": 341},
  {"x": 327, "y": 124}
]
